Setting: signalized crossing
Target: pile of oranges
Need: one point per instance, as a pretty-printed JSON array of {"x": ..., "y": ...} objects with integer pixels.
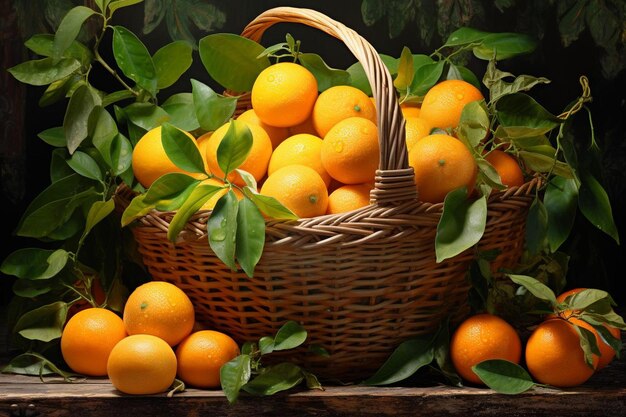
[
  {"x": 552, "y": 355},
  {"x": 154, "y": 341},
  {"x": 317, "y": 153}
]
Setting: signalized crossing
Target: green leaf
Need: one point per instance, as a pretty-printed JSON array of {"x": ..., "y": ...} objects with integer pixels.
[
  {"x": 146, "y": 115},
  {"x": 276, "y": 378},
  {"x": 535, "y": 287},
  {"x": 196, "y": 199},
  {"x": 608, "y": 338},
  {"x": 588, "y": 344},
  {"x": 171, "y": 61},
  {"x": 250, "y": 235},
  {"x": 43, "y": 44},
  {"x": 121, "y": 154},
  {"x": 181, "y": 149},
  {"x": 289, "y": 336},
  {"x": 118, "y": 4},
  {"x": 30, "y": 289},
  {"x": 35, "y": 263},
  {"x": 494, "y": 80},
  {"x": 465, "y": 36},
  {"x": 425, "y": 77},
  {"x": 560, "y": 200},
  {"x": 85, "y": 165},
  {"x": 270, "y": 206},
  {"x": 54, "y": 137},
  {"x": 34, "y": 364},
  {"x": 610, "y": 318},
  {"x": 462, "y": 224},
  {"x": 521, "y": 110},
  {"x": 44, "y": 323},
  {"x": 594, "y": 204},
  {"x": 69, "y": 28},
  {"x": 474, "y": 123},
  {"x": 182, "y": 112},
  {"x": 76, "y": 120},
  {"x": 248, "y": 179},
  {"x": 44, "y": 71},
  {"x": 585, "y": 298},
  {"x": 233, "y": 375},
  {"x": 212, "y": 110},
  {"x": 504, "y": 45},
  {"x": 98, "y": 211},
  {"x": 405, "y": 70},
  {"x": 405, "y": 360},
  {"x": 116, "y": 96},
  {"x": 168, "y": 188},
  {"x": 104, "y": 132},
  {"x": 358, "y": 78},
  {"x": 232, "y": 61},
  {"x": 58, "y": 90},
  {"x": 535, "y": 159},
  {"x": 326, "y": 76},
  {"x": 266, "y": 345},
  {"x": 441, "y": 353},
  {"x": 222, "y": 229},
  {"x": 503, "y": 376},
  {"x": 234, "y": 147},
  {"x": 536, "y": 226},
  {"x": 133, "y": 58},
  {"x": 136, "y": 209},
  {"x": 311, "y": 381}
]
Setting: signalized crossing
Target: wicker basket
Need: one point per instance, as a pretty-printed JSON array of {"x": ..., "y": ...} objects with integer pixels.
[{"x": 360, "y": 282}]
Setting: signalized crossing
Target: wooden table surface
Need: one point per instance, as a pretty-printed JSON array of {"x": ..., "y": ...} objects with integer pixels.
[{"x": 603, "y": 395}]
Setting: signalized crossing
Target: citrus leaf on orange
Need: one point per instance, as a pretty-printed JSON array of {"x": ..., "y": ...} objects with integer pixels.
[
  {"x": 326, "y": 76},
  {"x": 234, "y": 147},
  {"x": 222, "y": 229},
  {"x": 180, "y": 108},
  {"x": 181, "y": 149},
  {"x": 196, "y": 198},
  {"x": 425, "y": 77},
  {"x": 168, "y": 187},
  {"x": 171, "y": 61},
  {"x": 212, "y": 109},
  {"x": 270, "y": 206}
]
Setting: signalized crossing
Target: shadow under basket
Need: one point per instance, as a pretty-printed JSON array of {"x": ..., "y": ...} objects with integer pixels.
[{"x": 361, "y": 282}]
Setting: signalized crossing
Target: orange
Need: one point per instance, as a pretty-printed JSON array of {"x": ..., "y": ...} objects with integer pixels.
[
  {"x": 160, "y": 309},
  {"x": 302, "y": 149},
  {"x": 201, "y": 355},
  {"x": 554, "y": 355},
  {"x": 299, "y": 188},
  {"x": 410, "y": 110},
  {"x": 88, "y": 338},
  {"x": 350, "y": 152},
  {"x": 348, "y": 198},
  {"x": 142, "y": 364},
  {"x": 607, "y": 353},
  {"x": 284, "y": 94},
  {"x": 338, "y": 103},
  {"x": 441, "y": 163},
  {"x": 415, "y": 129},
  {"x": 444, "y": 102},
  {"x": 150, "y": 160},
  {"x": 483, "y": 337},
  {"x": 507, "y": 168},
  {"x": 304, "y": 127},
  {"x": 255, "y": 163},
  {"x": 276, "y": 134},
  {"x": 210, "y": 203}
]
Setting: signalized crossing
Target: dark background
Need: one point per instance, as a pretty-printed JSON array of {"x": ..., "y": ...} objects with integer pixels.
[{"x": 596, "y": 261}]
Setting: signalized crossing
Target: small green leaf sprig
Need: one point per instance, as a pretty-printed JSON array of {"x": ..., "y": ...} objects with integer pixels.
[{"x": 247, "y": 373}]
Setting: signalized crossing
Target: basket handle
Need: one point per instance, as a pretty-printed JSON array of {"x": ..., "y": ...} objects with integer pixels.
[{"x": 394, "y": 181}]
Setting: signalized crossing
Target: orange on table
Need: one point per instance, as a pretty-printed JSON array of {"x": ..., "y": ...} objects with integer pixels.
[
  {"x": 88, "y": 338},
  {"x": 349, "y": 197},
  {"x": 161, "y": 309},
  {"x": 338, "y": 103},
  {"x": 415, "y": 129},
  {"x": 276, "y": 134},
  {"x": 554, "y": 355},
  {"x": 350, "y": 151},
  {"x": 302, "y": 149},
  {"x": 142, "y": 364},
  {"x": 444, "y": 102},
  {"x": 257, "y": 160},
  {"x": 284, "y": 94},
  {"x": 149, "y": 160},
  {"x": 507, "y": 168},
  {"x": 201, "y": 355},
  {"x": 483, "y": 337},
  {"x": 299, "y": 188},
  {"x": 441, "y": 163},
  {"x": 607, "y": 353}
]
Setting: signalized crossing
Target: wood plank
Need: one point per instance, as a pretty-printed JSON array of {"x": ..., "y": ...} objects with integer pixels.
[{"x": 603, "y": 395}]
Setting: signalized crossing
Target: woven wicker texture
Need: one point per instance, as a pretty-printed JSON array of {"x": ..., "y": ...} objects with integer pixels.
[{"x": 360, "y": 282}]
